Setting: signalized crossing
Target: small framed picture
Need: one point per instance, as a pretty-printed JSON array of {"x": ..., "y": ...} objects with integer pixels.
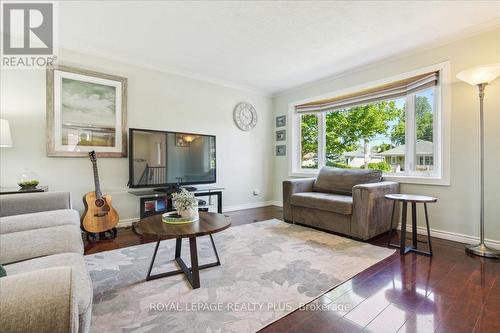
[
  {"x": 280, "y": 121},
  {"x": 149, "y": 206},
  {"x": 281, "y": 150},
  {"x": 160, "y": 205},
  {"x": 281, "y": 135}
]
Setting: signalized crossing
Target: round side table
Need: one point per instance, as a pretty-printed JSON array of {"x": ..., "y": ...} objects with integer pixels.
[{"x": 413, "y": 199}]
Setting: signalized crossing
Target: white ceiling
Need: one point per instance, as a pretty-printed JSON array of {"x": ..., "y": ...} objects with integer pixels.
[{"x": 268, "y": 46}]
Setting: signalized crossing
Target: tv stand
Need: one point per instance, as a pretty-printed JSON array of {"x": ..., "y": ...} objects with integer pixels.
[
  {"x": 158, "y": 201},
  {"x": 170, "y": 189},
  {"x": 173, "y": 189},
  {"x": 190, "y": 188}
]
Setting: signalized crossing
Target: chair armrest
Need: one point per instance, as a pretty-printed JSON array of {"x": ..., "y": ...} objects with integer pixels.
[
  {"x": 15, "y": 204},
  {"x": 291, "y": 186},
  {"x": 371, "y": 210},
  {"x": 385, "y": 187},
  {"x": 38, "y": 302}
]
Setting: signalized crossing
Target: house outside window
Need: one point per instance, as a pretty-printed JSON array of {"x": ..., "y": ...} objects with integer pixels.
[{"x": 396, "y": 129}]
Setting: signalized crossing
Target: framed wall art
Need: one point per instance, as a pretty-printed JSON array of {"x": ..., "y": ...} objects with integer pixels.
[
  {"x": 86, "y": 111},
  {"x": 280, "y": 121},
  {"x": 281, "y": 150},
  {"x": 281, "y": 135}
]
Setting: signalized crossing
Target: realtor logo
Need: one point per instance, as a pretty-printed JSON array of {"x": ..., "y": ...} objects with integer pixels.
[{"x": 28, "y": 34}]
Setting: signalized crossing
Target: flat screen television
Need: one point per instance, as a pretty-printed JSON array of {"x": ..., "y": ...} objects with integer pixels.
[{"x": 163, "y": 159}]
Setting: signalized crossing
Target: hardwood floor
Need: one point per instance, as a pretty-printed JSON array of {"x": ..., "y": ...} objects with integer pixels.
[{"x": 450, "y": 292}]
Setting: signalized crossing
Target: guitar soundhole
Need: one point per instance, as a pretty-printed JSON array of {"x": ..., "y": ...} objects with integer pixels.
[{"x": 99, "y": 202}]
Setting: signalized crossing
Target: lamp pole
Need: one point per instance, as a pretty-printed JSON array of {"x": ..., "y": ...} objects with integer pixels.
[
  {"x": 481, "y": 249},
  {"x": 480, "y": 76}
]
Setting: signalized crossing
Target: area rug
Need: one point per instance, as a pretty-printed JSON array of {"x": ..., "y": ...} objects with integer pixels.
[{"x": 268, "y": 270}]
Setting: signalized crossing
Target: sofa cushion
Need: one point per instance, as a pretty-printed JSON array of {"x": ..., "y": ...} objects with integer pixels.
[
  {"x": 23, "y": 245},
  {"x": 341, "y": 181},
  {"x": 46, "y": 219},
  {"x": 82, "y": 284},
  {"x": 340, "y": 204}
]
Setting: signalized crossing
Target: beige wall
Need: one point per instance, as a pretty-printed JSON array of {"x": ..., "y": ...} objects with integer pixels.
[
  {"x": 457, "y": 211},
  {"x": 156, "y": 101}
]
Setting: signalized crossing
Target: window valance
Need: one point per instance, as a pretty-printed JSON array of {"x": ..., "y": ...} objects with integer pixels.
[{"x": 384, "y": 92}]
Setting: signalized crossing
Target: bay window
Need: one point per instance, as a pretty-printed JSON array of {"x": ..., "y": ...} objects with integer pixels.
[
  {"x": 394, "y": 128},
  {"x": 309, "y": 134}
]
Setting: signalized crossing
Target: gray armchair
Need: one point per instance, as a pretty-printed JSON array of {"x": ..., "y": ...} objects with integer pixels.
[{"x": 345, "y": 201}]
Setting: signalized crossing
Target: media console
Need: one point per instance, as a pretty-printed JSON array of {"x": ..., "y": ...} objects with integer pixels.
[
  {"x": 174, "y": 189},
  {"x": 153, "y": 202}
]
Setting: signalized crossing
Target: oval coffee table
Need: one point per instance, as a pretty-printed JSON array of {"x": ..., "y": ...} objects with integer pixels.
[
  {"x": 413, "y": 199},
  {"x": 208, "y": 224}
]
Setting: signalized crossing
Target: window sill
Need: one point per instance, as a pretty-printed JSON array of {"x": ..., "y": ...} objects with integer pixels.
[{"x": 419, "y": 180}]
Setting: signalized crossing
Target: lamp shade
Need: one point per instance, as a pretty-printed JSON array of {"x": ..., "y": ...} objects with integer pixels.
[
  {"x": 480, "y": 74},
  {"x": 5, "y": 137}
]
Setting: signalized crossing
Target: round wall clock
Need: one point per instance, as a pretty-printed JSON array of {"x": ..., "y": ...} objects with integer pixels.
[{"x": 245, "y": 116}]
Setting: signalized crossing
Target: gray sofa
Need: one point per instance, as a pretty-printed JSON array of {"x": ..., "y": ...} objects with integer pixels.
[
  {"x": 345, "y": 201},
  {"x": 47, "y": 287}
]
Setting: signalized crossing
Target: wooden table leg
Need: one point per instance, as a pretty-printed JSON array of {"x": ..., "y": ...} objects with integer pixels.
[
  {"x": 178, "y": 247},
  {"x": 402, "y": 246},
  {"x": 414, "y": 224},
  {"x": 195, "y": 272},
  {"x": 148, "y": 276},
  {"x": 391, "y": 231},
  {"x": 428, "y": 229}
]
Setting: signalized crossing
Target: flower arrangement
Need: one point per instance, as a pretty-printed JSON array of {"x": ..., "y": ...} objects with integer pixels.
[{"x": 185, "y": 203}]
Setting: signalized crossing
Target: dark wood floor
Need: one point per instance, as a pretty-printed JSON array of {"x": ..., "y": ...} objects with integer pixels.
[{"x": 450, "y": 292}]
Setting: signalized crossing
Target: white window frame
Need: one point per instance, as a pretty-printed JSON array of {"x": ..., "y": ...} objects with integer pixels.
[{"x": 441, "y": 130}]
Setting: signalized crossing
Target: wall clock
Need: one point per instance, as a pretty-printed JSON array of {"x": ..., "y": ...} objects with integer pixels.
[{"x": 245, "y": 116}]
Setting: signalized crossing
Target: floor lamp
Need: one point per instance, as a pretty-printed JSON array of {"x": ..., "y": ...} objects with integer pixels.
[
  {"x": 480, "y": 77},
  {"x": 5, "y": 137}
]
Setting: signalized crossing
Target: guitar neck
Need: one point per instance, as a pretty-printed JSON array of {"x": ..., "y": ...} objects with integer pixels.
[{"x": 98, "y": 192}]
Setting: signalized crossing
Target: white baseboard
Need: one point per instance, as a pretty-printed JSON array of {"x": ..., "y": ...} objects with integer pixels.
[
  {"x": 277, "y": 203},
  {"x": 456, "y": 237}
]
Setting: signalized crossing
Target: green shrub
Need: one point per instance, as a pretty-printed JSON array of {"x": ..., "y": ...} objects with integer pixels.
[
  {"x": 337, "y": 165},
  {"x": 382, "y": 166}
]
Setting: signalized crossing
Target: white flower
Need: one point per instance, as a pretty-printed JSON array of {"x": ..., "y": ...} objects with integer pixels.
[{"x": 184, "y": 200}]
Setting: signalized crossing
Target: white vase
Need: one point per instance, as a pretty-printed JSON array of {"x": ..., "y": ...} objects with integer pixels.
[{"x": 188, "y": 213}]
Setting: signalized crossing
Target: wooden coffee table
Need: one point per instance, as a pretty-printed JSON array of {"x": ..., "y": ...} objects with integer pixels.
[{"x": 208, "y": 224}]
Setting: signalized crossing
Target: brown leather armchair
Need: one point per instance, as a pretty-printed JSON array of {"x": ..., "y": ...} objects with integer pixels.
[{"x": 345, "y": 201}]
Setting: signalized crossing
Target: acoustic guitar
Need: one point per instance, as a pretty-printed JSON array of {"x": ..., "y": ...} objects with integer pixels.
[{"x": 99, "y": 216}]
